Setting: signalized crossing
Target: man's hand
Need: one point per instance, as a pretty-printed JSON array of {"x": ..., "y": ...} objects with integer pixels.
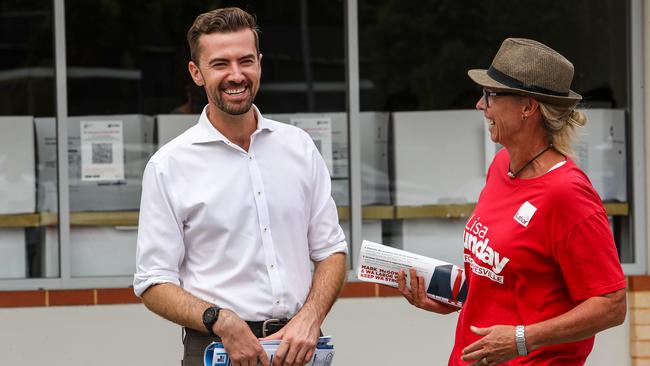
[
  {"x": 238, "y": 340},
  {"x": 297, "y": 340},
  {"x": 417, "y": 295},
  {"x": 496, "y": 347}
]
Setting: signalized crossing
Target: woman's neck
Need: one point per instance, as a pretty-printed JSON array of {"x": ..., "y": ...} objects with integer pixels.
[{"x": 533, "y": 159}]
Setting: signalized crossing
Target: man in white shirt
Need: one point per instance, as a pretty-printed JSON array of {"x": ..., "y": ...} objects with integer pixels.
[{"x": 234, "y": 211}]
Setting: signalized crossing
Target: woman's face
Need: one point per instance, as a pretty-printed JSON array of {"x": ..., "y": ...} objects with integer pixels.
[{"x": 503, "y": 114}]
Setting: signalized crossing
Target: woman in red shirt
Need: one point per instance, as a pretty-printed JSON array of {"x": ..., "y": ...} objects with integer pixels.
[{"x": 542, "y": 271}]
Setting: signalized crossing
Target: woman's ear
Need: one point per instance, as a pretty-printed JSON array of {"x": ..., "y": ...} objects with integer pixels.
[{"x": 529, "y": 108}]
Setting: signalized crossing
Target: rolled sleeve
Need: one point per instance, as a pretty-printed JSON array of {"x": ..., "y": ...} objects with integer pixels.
[
  {"x": 321, "y": 254},
  {"x": 325, "y": 235},
  {"x": 160, "y": 248}
]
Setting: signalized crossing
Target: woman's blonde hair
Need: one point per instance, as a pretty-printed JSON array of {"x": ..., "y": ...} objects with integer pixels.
[{"x": 560, "y": 124}]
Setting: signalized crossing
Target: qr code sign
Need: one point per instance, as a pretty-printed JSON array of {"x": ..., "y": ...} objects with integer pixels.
[{"x": 102, "y": 153}]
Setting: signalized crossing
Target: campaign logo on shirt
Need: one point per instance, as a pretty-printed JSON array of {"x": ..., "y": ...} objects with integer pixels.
[
  {"x": 476, "y": 241},
  {"x": 525, "y": 213}
]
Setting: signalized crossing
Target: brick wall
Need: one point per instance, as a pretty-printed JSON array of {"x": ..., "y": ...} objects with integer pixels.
[{"x": 639, "y": 299}]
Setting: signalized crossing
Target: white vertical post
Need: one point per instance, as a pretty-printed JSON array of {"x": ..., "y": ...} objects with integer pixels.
[
  {"x": 60, "y": 74},
  {"x": 354, "y": 139}
]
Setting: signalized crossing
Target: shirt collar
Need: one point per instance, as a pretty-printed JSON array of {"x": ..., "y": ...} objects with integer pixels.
[{"x": 208, "y": 133}]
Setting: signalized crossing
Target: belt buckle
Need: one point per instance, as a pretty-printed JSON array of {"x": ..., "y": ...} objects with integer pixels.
[{"x": 266, "y": 323}]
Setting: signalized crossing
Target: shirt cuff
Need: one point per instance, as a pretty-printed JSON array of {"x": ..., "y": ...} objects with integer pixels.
[
  {"x": 142, "y": 281},
  {"x": 320, "y": 254}
]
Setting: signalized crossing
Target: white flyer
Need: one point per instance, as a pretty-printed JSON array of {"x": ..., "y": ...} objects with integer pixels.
[
  {"x": 320, "y": 130},
  {"x": 102, "y": 150},
  {"x": 380, "y": 264}
]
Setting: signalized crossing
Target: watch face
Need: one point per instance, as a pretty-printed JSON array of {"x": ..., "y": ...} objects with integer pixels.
[{"x": 209, "y": 314}]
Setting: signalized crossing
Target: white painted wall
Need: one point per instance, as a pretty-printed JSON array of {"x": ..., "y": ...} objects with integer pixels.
[{"x": 130, "y": 335}]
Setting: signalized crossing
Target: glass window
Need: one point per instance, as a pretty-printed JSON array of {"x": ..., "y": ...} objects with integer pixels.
[
  {"x": 133, "y": 84},
  {"x": 27, "y": 98},
  {"x": 414, "y": 58}
]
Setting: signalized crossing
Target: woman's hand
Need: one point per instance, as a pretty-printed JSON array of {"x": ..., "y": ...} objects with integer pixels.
[
  {"x": 496, "y": 346},
  {"x": 417, "y": 294}
]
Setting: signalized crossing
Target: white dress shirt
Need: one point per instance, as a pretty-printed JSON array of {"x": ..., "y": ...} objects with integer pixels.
[{"x": 237, "y": 228}]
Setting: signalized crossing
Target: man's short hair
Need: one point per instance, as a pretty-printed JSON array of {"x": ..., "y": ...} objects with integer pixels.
[{"x": 223, "y": 20}]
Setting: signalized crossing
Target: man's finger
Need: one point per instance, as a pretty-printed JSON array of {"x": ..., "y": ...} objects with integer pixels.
[
  {"x": 301, "y": 354},
  {"x": 263, "y": 358},
  {"x": 280, "y": 354},
  {"x": 275, "y": 336},
  {"x": 290, "y": 357},
  {"x": 309, "y": 356}
]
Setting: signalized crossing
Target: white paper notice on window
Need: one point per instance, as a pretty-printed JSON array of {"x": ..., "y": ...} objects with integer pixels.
[
  {"x": 102, "y": 151},
  {"x": 320, "y": 130}
]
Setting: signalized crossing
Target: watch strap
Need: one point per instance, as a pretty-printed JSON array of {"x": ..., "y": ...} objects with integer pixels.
[
  {"x": 209, "y": 321},
  {"x": 520, "y": 339}
]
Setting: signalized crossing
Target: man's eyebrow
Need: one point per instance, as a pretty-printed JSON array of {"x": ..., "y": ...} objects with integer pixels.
[{"x": 223, "y": 59}]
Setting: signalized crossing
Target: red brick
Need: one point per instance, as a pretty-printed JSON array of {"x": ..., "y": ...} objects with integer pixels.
[
  {"x": 359, "y": 289},
  {"x": 388, "y": 291},
  {"x": 12, "y": 299},
  {"x": 71, "y": 297},
  {"x": 108, "y": 296},
  {"x": 639, "y": 283}
]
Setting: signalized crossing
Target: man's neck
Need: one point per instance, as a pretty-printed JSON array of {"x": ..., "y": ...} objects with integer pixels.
[{"x": 236, "y": 128}]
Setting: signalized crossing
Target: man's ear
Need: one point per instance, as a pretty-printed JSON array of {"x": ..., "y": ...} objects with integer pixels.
[{"x": 195, "y": 73}]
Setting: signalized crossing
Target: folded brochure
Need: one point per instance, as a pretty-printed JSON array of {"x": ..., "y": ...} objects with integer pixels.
[
  {"x": 444, "y": 281},
  {"x": 216, "y": 355}
]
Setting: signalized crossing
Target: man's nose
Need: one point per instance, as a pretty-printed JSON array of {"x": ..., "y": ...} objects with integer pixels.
[{"x": 236, "y": 75}]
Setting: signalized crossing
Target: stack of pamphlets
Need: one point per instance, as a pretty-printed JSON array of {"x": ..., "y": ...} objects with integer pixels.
[
  {"x": 444, "y": 282},
  {"x": 216, "y": 355}
]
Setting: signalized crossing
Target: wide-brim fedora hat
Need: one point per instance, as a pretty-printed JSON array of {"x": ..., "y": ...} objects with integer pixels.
[{"x": 528, "y": 67}]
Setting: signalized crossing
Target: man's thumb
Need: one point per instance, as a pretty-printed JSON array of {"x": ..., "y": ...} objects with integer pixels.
[{"x": 274, "y": 336}]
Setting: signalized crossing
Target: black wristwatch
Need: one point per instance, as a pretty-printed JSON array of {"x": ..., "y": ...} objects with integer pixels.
[{"x": 210, "y": 316}]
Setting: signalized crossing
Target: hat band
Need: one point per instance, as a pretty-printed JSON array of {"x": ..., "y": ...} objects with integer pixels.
[{"x": 514, "y": 83}]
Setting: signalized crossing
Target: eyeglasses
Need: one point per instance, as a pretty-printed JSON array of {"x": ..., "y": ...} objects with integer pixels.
[{"x": 487, "y": 94}]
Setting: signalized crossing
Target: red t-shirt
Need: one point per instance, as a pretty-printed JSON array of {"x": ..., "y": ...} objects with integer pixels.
[{"x": 534, "y": 249}]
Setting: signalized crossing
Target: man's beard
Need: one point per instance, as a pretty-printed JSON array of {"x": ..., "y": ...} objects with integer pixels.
[{"x": 235, "y": 108}]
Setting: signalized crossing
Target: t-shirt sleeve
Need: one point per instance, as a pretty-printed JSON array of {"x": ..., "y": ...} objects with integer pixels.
[{"x": 588, "y": 259}]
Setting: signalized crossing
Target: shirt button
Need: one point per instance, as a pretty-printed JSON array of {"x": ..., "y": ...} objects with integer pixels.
[
  {"x": 250, "y": 157},
  {"x": 277, "y": 302},
  {"x": 265, "y": 229},
  {"x": 259, "y": 193},
  {"x": 272, "y": 265}
]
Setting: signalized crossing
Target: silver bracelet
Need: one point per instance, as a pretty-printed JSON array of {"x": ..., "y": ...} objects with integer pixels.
[{"x": 520, "y": 338}]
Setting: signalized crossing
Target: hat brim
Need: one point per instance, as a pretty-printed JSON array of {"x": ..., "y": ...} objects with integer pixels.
[{"x": 481, "y": 77}]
